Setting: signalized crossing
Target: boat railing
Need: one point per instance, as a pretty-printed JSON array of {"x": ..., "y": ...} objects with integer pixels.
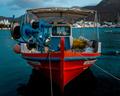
[{"x": 95, "y": 48}]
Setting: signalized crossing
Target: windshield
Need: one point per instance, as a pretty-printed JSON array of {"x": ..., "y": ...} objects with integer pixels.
[{"x": 58, "y": 31}]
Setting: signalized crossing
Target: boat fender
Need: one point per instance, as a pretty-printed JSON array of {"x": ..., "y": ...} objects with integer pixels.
[{"x": 17, "y": 49}]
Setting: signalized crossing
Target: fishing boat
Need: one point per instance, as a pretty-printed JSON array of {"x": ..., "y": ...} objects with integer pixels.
[{"x": 46, "y": 42}]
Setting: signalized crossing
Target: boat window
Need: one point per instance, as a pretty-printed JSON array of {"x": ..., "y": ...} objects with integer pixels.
[{"x": 59, "y": 31}]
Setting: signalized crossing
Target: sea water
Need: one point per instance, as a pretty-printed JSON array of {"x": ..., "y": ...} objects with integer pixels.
[
  {"x": 18, "y": 78},
  {"x": 13, "y": 69}
]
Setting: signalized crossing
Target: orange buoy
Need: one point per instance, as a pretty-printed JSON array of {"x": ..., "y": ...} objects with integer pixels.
[{"x": 17, "y": 49}]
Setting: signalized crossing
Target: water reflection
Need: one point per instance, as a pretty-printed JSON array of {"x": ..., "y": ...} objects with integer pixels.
[
  {"x": 38, "y": 84},
  {"x": 84, "y": 85}
]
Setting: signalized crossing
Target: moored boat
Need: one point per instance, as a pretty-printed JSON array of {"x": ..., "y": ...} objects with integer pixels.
[{"x": 45, "y": 41}]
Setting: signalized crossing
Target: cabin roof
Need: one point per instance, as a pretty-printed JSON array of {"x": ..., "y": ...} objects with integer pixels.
[{"x": 72, "y": 14}]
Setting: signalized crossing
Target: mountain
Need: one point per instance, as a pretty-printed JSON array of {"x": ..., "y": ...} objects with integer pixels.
[
  {"x": 109, "y": 4},
  {"x": 108, "y": 10}
]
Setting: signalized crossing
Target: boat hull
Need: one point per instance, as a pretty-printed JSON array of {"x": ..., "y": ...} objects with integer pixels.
[{"x": 63, "y": 68}]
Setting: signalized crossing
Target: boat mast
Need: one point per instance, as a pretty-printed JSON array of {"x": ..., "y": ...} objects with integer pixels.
[
  {"x": 96, "y": 25},
  {"x": 118, "y": 17}
]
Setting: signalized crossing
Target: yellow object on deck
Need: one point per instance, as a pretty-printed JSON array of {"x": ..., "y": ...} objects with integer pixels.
[{"x": 79, "y": 43}]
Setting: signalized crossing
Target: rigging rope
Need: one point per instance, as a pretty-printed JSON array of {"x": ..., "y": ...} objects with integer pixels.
[
  {"x": 51, "y": 85},
  {"x": 107, "y": 72}
]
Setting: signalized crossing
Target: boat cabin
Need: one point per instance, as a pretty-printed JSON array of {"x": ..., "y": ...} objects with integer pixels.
[{"x": 42, "y": 30}]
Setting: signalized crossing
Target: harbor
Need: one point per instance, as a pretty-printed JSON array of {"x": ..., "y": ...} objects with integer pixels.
[
  {"x": 60, "y": 48},
  {"x": 96, "y": 81}
]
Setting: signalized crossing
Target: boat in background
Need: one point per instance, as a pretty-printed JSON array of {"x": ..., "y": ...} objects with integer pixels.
[{"x": 46, "y": 42}]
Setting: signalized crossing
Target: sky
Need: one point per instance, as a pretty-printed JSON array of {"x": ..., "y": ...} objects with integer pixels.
[{"x": 9, "y": 8}]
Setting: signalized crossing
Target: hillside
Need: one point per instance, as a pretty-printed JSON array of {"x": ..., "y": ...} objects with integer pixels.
[{"x": 108, "y": 10}]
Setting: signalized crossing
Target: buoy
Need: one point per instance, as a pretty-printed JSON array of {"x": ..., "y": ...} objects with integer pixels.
[{"x": 17, "y": 49}]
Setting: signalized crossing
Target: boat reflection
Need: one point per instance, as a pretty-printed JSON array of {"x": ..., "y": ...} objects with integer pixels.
[
  {"x": 89, "y": 83},
  {"x": 39, "y": 85}
]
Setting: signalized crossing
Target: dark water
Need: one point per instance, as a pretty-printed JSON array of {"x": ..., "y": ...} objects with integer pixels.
[
  {"x": 13, "y": 69},
  {"x": 18, "y": 79}
]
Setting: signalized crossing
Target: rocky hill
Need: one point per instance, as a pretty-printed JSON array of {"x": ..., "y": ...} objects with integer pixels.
[{"x": 108, "y": 10}]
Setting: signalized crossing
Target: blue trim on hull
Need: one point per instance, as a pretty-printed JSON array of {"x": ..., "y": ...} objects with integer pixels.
[{"x": 58, "y": 59}]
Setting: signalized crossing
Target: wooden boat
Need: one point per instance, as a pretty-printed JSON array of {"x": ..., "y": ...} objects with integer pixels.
[{"x": 64, "y": 59}]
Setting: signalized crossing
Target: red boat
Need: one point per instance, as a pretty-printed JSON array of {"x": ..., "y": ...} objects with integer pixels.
[{"x": 64, "y": 64}]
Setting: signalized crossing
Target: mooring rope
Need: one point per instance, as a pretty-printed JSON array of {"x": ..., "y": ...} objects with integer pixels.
[
  {"x": 51, "y": 85},
  {"x": 107, "y": 72}
]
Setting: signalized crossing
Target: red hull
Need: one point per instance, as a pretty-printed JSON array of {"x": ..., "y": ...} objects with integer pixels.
[
  {"x": 63, "y": 69},
  {"x": 64, "y": 65}
]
